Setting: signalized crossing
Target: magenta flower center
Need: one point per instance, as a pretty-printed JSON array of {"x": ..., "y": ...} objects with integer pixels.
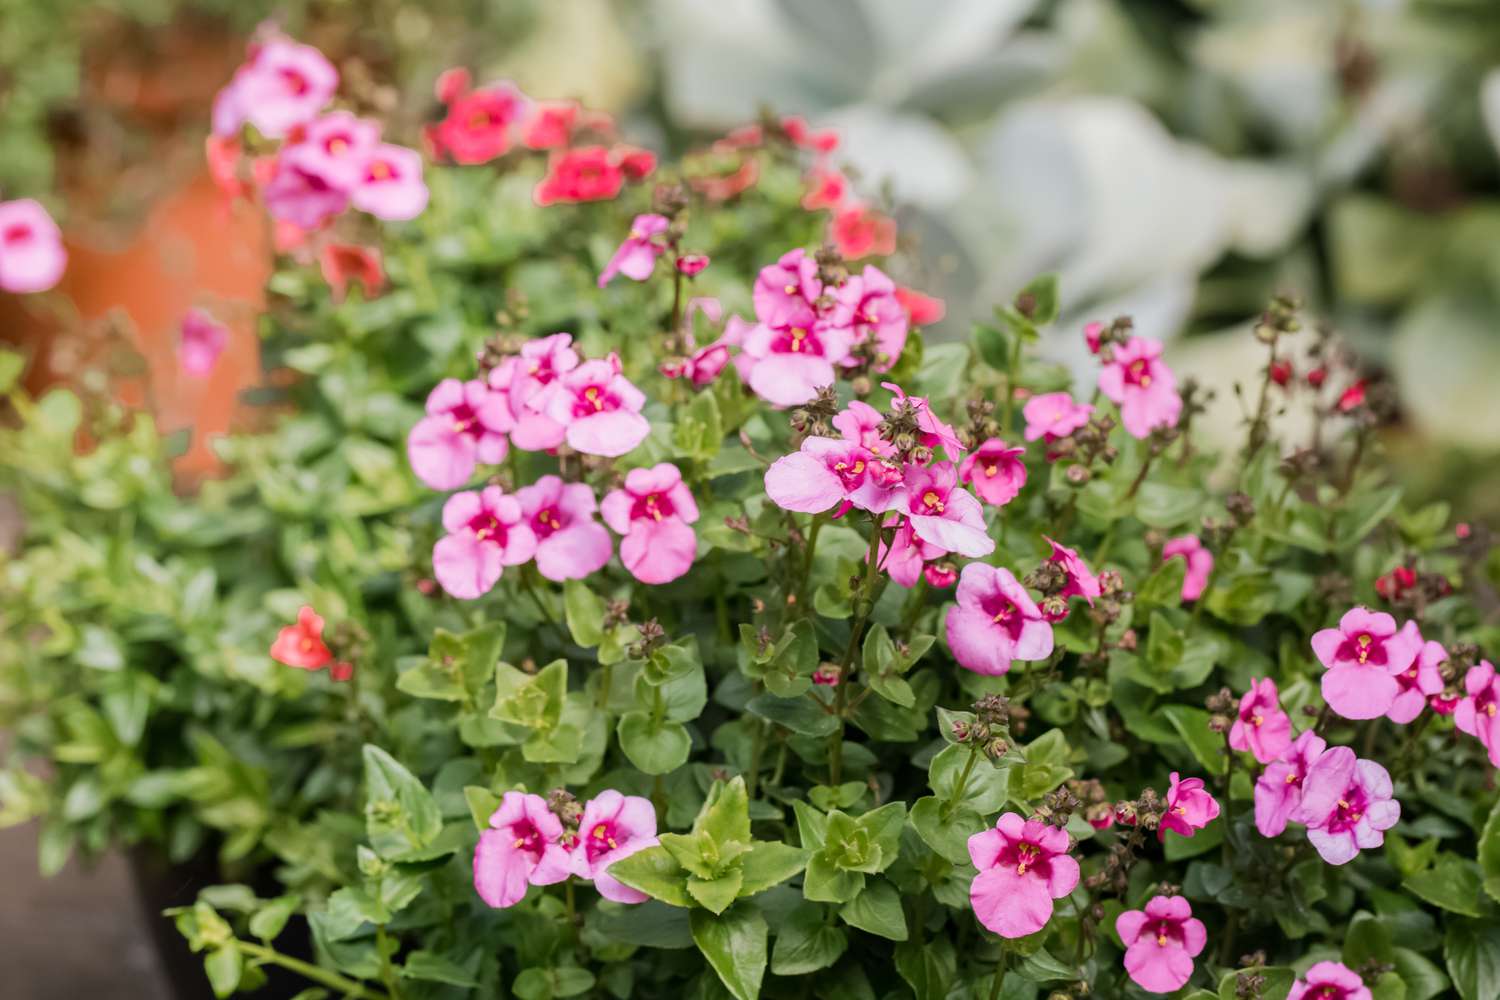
[
  {"x": 595, "y": 399},
  {"x": 1364, "y": 649},
  {"x": 547, "y": 521},
  {"x": 1003, "y": 612},
  {"x": 1485, "y": 702},
  {"x": 797, "y": 340},
  {"x": 931, "y": 503},
  {"x": 1026, "y": 858},
  {"x": 487, "y": 528},
  {"x": 1168, "y": 933},
  {"x": 18, "y": 233},
  {"x": 850, "y": 469},
  {"x": 653, "y": 505},
  {"x": 295, "y": 82},
  {"x": 379, "y": 170},
  {"x": 600, "y": 841},
  {"x": 1350, "y": 809},
  {"x": 465, "y": 420},
  {"x": 1138, "y": 372}
]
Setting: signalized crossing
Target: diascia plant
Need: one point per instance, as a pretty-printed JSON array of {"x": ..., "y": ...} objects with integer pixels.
[{"x": 626, "y": 599}]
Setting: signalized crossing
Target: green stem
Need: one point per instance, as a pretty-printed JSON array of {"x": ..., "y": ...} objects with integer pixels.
[
  {"x": 962, "y": 784},
  {"x": 864, "y": 604},
  {"x": 344, "y": 987},
  {"x": 1140, "y": 477},
  {"x": 1011, "y": 384},
  {"x": 386, "y": 949},
  {"x": 999, "y": 973},
  {"x": 757, "y": 748}
]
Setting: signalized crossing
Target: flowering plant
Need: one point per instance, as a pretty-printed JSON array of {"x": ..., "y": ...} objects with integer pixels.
[{"x": 691, "y": 623}]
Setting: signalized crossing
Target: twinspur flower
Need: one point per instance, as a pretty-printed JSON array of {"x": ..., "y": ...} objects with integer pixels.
[
  {"x": 1081, "y": 581},
  {"x": 636, "y": 257},
  {"x": 1161, "y": 942},
  {"x": 654, "y": 511},
  {"x": 1476, "y": 713},
  {"x": 995, "y": 471},
  {"x": 858, "y": 231},
  {"x": 465, "y": 425},
  {"x": 907, "y": 558},
  {"x": 302, "y": 646},
  {"x": 1054, "y": 415},
  {"x": 942, "y": 513},
  {"x": 32, "y": 257},
  {"x": 1139, "y": 382},
  {"x": 523, "y": 379},
  {"x": 1278, "y": 790},
  {"x": 202, "y": 340},
  {"x": 1200, "y": 564},
  {"x": 522, "y": 847},
  {"x": 598, "y": 408},
  {"x": 480, "y": 123},
  {"x": 343, "y": 264},
  {"x": 612, "y": 828},
  {"x": 875, "y": 314},
  {"x": 1190, "y": 807},
  {"x": 1346, "y": 805},
  {"x": 1363, "y": 657},
  {"x": 570, "y": 543},
  {"x": 1023, "y": 866},
  {"x": 1330, "y": 981},
  {"x": 1261, "y": 727},
  {"x": 487, "y": 530},
  {"x": 995, "y": 622},
  {"x": 1418, "y": 682},
  {"x": 284, "y": 84},
  {"x": 827, "y": 472}
]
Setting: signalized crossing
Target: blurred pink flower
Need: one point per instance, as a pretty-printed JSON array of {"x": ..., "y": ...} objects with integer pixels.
[
  {"x": 636, "y": 257},
  {"x": 1200, "y": 564},
  {"x": 203, "y": 340},
  {"x": 598, "y": 408},
  {"x": 32, "y": 258},
  {"x": 465, "y": 425},
  {"x": 1143, "y": 386}
]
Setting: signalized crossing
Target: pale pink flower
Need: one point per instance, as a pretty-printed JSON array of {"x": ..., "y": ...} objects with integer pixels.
[
  {"x": 1200, "y": 564},
  {"x": 301, "y": 196},
  {"x": 283, "y": 85},
  {"x": 1189, "y": 807},
  {"x": 654, "y": 511},
  {"x": 826, "y": 472},
  {"x": 522, "y": 847},
  {"x": 1081, "y": 580},
  {"x": 1278, "y": 791},
  {"x": 1363, "y": 656},
  {"x": 203, "y": 340},
  {"x": 869, "y": 300},
  {"x": 1023, "y": 866},
  {"x": 487, "y": 531},
  {"x": 1330, "y": 981},
  {"x": 1261, "y": 727},
  {"x": 1161, "y": 942},
  {"x": 391, "y": 187},
  {"x": 995, "y": 470},
  {"x": 1346, "y": 805},
  {"x": 995, "y": 622},
  {"x": 598, "y": 408},
  {"x": 465, "y": 425},
  {"x": 32, "y": 258},
  {"x": 1478, "y": 713},
  {"x": 904, "y": 559},
  {"x": 787, "y": 365},
  {"x": 860, "y": 423},
  {"x": 636, "y": 257},
  {"x": 613, "y": 827},
  {"x": 1143, "y": 386},
  {"x": 524, "y": 377},
  {"x": 570, "y": 544},
  {"x": 943, "y": 513},
  {"x": 786, "y": 292},
  {"x": 1419, "y": 681},
  {"x": 1054, "y": 415},
  {"x": 336, "y": 147}
]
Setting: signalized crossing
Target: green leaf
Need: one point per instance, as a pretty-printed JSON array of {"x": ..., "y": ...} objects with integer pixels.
[
  {"x": 1041, "y": 967},
  {"x": 725, "y": 816},
  {"x": 800, "y": 715},
  {"x": 876, "y": 910},
  {"x": 535, "y": 702},
  {"x": 1489, "y": 852},
  {"x": 1164, "y": 586},
  {"x": 1192, "y": 725},
  {"x": 946, "y": 832},
  {"x": 224, "y": 966},
  {"x": 400, "y": 813},
  {"x": 805, "y": 943},
  {"x": 1279, "y": 980},
  {"x": 928, "y": 968},
  {"x": 1423, "y": 979},
  {"x": 1472, "y": 950},
  {"x": 1452, "y": 884},
  {"x": 584, "y": 612},
  {"x": 825, "y": 881},
  {"x": 655, "y": 747},
  {"x": 656, "y": 873},
  {"x": 1367, "y": 939},
  {"x": 268, "y": 921},
  {"x": 548, "y": 984},
  {"x": 1164, "y": 506},
  {"x": 769, "y": 863},
  {"x": 431, "y": 967},
  {"x": 716, "y": 894},
  {"x": 734, "y": 943}
]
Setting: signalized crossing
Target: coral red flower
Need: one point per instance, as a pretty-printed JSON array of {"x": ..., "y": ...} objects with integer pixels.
[
  {"x": 1317, "y": 377},
  {"x": 588, "y": 173},
  {"x": 346, "y": 263},
  {"x": 479, "y": 123},
  {"x": 922, "y": 310},
  {"x": 1397, "y": 582},
  {"x": 550, "y": 125},
  {"x": 799, "y": 133},
  {"x": 858, "y": 231},
  {"x": 1352, "y": 397},
  {"x": 301, "y": 646},
  {"x": 826, "y": 188},
  {"x": 1281, "y": 371}
]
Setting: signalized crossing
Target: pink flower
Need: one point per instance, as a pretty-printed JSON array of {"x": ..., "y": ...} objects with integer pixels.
[
  {"x": 1189, "y": 807},
  {"x": 654, "y": 512},
  {"x": 934, "y": 432},
  {"x": 904, "y": 559},
  {"x": 1278, "y": 791},
  {"x": 1363, "y": 656},
  {"x": 1261, "y": 727},
  {"x": 826, "y": 188},
  {"x": 465, "y": 425},
  {"x": 921, "y": 309},
  {"x": 876, "y": 314},
  {"x": 540, "y": 363},
  {"x": 826, "y": 472},
  {"x": 301, "y": 645},
  {"x": 32, "y": 258},
  {"x": 787, "y": 291},
  {"x": 343, "y": 263},
  {"x": 478, "y": 125},
  {"x": 1330, "y": 981},
  {"x": 692, "y": 264},
  {"x": 613, "y": 827},
  {"x": 550, "y": 124},
  {"x": 860, "y": 423},
  {"x": 995, "y": 622},
  {"x": 1477, "y": 712},
  {"x": 1023, "y": 866},
  {"x": 995, "y": 471},
  {"x": 943, "y": 513},
  {"x": 203, "y": 340},
  {"x": 585, "y": 173},
  {"x": 1161, "y": 942},
  {"x": 799, "y": 133},
  {"x": 636, "y": 257},
  {"x": 1092, "y": 332},
  {"x": 1346, "y": 805},
  {"x": 336, "y": 147},
  {"x": 283, "y": 85},
  {"x": 859, "y": 231},
  {"x": 1081, "y": 580},
  {"x": 522, "y": 846},
  {"x": 1419, "y": 681},
  {"x": 570, "y": 544},
  {"x": 301, "y": 196},
  {"x": 788, "y": 365},
  {"x": 391, "y": 187},
  {"x": 940, "y": 575},
  {"x": 599, "y": 408},
  {"x": 1054, "y": 415},
  {"x": 1200, "y": 564},
  {"x": 1144, "y": 388},
  {"x": 487, "y": 531}
]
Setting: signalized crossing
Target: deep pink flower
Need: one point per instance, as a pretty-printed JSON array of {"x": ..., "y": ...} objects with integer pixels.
[
  {"x": 904, "y": 559},
  {"x": 943, "y": 513},
  {"x": 613, "y": 827},
  {"x": 1278, "y": 791},
  {"x": 523, "y": 846},
  {"x": 786, "y": 292},
  {"x": 487, "y": 531},
  {"x": 1346, "y": 805},
  {"x": 1442, "y": 704},
  {"x": 800, "y": 133},
  {"x": 692, "y": 264},
  {"x": 1023, "y": 866},
  {"x": 703, "y": 364},
  {"x": 654, "y": 511},
  {"x": 921, "y": 309},
  {"x": 1189, "y": 807},
  {"x": 335, "y": 147},
  {"x": 570, "y": 544},
  {"x": 283, "y": 85},
  {"x": 465, "y": 425},
  {"x": 934, "y": 433},
  {"x": 302, "y": 196},
  {"x": 826, "y": 188},
  {"x": 1092, "y": 332},
  {"x": 1200, "y": 564},
  {"x": 584, "y": 173},
  {"x": 345, "y": 263},
  {"x": 1261, "y": 726},
  {"x": 995, "y": 622},
  {"x": 859, "y": 231},
  {"x": 523, "y": 379},
  {"x": 203, "y": 340},
  {"x": 1419, "y": 681},
  {"x": 1081, "y": 580},
  {"x": 995, "y": 470},
  {"x": 826, "y": 472},
  {"x": 32, "y": 258},
  {"x": 479, "y": 123},
  {"x": 940, "y": 575},
  {"x": 550, "y": 124},
  {"x": 1143, "y": 386},
  {"x": 598, "y": 407},
  {"x": 391, "y": 187},
  {"x": 1478, "y": 713},
  {"x": 1161, "y": 942},
  {"x": 869, "y": 299},
  {"x": 636, "y": 257},
  {"x": 860, "y": 423},
  {"x": 1054, "y": 415},
  {"x": 1330, "y": 981},
  {"x": 1363, "y": 656},
  {"x": 788, "y": 365}
]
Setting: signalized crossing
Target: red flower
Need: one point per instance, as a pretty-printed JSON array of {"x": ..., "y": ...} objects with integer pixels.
[
  {"x": 478, "y": 125},
  {"x": 799, "y": 133},
  {"x": 692, "y": 263},
  {"x": 550, "y": 124},
  {"x": 1352, "y": 397},
  {"x": 825, "y": 189},
  {"x": 591, "y": 173},
  {"x": 1317, "y": 377},
  {"x": 343, "y": 263},
  {"x": 1281, "y": 371},
  {"x": 858, "y": 232},
  {"x": 301, "y": 645},
  {"x": 635, "y": 162},
  {"x": 922, "y": 310}
]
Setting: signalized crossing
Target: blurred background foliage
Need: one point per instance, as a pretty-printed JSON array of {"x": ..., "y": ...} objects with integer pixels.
[{"x": 1178, "y": 160}]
